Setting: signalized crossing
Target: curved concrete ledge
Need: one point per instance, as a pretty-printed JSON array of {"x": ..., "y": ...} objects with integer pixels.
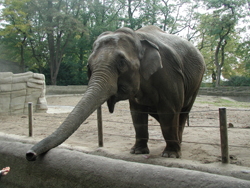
[{"x": 66, "y": 168}]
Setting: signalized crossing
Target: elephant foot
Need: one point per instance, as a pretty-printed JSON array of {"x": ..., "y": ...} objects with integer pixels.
[
  {"x": 168, "y": 153},
  {"x": 139, "y": 150}
]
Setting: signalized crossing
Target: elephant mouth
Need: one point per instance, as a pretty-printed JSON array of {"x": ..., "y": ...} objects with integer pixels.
[
  {"x": 122, "y": 94},
  {"x": 111, "y": 103}
]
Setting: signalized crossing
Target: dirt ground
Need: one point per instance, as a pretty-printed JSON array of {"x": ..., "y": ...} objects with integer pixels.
[{"x": 201, "y": 139}]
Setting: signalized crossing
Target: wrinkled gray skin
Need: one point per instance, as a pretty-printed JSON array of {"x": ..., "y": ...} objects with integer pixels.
[{"x": 159, "y": 74}]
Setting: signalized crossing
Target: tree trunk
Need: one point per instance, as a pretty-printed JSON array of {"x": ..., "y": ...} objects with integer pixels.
[
  {"x": 37, "y": 57},
  {"x": 219, "y": 66},
  {"x": 51, "y": 43},
  {"x": 80, "y": 57},
  {"x": 22, "y": 64},
  {"x": 56, "y": 52},
  {"x": 218, "y": 76},
  {"x": 130, "y": 15}
]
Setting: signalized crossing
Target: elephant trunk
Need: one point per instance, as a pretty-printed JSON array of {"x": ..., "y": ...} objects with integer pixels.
[{"x": 101, "y": 87}]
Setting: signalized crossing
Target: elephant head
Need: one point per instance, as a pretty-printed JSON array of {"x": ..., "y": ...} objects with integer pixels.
[{"x": 115, "y": 68}]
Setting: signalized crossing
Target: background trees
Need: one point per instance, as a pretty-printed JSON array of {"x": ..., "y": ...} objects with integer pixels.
[
  {"x": 220, "y": 35},
  {"x": 55, "y": 37}
]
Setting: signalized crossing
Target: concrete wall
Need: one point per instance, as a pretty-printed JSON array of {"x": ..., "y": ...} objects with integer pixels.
[
  {"x": 65, "y": 168},
  {"x": 225, "y": 91},
  {"x": 62, "y": 90},
  {"x": 16, "y": 90},
  {"x": 241, "y": 94},
  {"x": 220, "y": 91}
]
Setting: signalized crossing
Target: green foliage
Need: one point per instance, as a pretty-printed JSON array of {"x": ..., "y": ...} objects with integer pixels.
[
  {"x": 243, "y": 52},
  {"x": 238, "y": 81},
  {"x": 56, "y": 37},
  {"x": 15, "y": 34},
  {"x": 69, "y": 74},
  {"x": 220, "y": 38}
]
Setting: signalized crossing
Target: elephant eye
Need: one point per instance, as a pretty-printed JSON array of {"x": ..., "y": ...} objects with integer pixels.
[
  {"x": 122, "y": 65},
  {"x": 122, "y": 61}
]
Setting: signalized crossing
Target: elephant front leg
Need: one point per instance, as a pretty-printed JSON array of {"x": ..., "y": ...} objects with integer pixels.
[
  {"x": 170, "y": 131},
  {"x": 140, "y": 121}
]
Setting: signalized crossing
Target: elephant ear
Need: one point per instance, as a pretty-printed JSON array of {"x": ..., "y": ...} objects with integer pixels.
[{"x": 150, "y": 59}]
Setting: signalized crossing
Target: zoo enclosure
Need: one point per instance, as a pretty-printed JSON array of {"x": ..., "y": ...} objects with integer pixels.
[
  {"x": 243, "y": 92},
  {"x": 222, "y": 125}
]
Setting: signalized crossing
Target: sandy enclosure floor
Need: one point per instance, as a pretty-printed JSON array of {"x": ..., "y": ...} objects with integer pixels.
[{"x": 201, "y": 140}]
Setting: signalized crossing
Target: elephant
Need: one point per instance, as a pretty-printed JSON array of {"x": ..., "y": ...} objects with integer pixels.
[{"x": 159, "y": 73}]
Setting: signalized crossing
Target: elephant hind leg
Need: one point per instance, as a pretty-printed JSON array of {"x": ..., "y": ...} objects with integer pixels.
[
  {"x": 169, "y": 126},
  {"x": 185, "y": 113},
  {"x": 182, "y": 120}
]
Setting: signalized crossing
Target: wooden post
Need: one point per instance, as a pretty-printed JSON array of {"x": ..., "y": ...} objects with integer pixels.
[
  {"x": 223, "y": 135},
  {"x": 30, "y": 113},
  {"x": 99, "y": 124}
]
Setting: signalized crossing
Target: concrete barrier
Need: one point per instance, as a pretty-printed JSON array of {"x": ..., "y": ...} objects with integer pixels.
[
  {"x": 238, "y": 93},
  {"x": 16, "y": 90},
  {"x": 65, "y": 168},
  {"x": 62, "y": 90}
]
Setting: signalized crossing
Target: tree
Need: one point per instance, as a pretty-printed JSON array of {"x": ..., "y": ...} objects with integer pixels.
[
  {"x": 150, "y": 12},
  {"x": 16, "y": 31},
  {"x": 60, "y": 23},
  {"x": 45, "y": 35},
  {"x": 220, "y": 27},
  {"x": 243, "y": 52},
  {"x": 36, "y": 23},
  {"x": 130, "y": 13}
]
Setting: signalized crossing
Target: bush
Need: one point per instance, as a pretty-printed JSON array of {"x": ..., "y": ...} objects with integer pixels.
[
  {"x": 237, "y": 81},
  {"x": 69, "y": 74}
]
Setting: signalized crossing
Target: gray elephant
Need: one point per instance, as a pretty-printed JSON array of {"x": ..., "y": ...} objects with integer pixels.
[{"x": 160, "y": 75}]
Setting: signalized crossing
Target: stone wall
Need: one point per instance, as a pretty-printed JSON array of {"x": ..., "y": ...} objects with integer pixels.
[
  {"x": 214, "y": 91},
  {"x": 64, "y": 90},
  {"x": 241, "y": 94},
  {"x": 225, "y": 91},
  {"x": 16, "y": 90}
]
